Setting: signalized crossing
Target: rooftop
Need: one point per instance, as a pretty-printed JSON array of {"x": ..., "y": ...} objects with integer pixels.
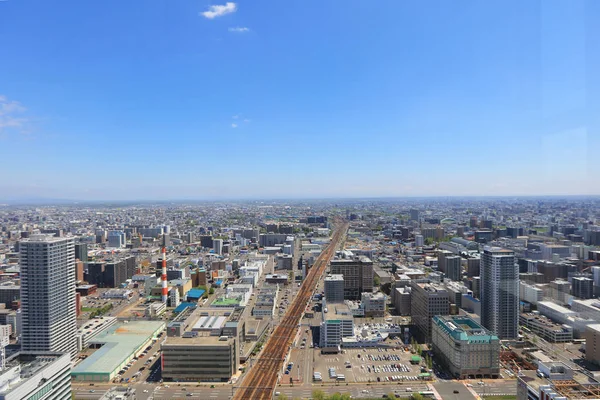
[
  {"x": 198, "y": 341},
  {"x": 25, "y": 365},
  {"x": 464, "y": 328},
  {"x": 118, "y": 342}
]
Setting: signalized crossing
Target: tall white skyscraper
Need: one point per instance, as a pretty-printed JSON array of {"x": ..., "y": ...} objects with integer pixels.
[
  {"x": 500, "y": 292},
  {"x": 49, "y": 320}
]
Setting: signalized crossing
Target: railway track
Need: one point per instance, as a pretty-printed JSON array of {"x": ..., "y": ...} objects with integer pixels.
[{"x": 261, "y": 380}]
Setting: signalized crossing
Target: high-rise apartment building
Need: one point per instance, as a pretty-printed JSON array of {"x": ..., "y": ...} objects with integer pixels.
[
  {"x": 48, "y": 294},
  {"x": 358, "y": 274},
  {"x": 500, "y": 292}
]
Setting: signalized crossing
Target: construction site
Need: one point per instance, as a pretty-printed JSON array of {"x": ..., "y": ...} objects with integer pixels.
[{"x": 515, "y": 362}]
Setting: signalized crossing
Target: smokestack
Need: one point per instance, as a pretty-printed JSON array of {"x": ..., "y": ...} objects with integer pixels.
[{"x": 165, "y": 290}]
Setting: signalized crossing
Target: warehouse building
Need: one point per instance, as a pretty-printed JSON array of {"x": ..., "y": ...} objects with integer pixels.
[{"x": 116, "y": 346}]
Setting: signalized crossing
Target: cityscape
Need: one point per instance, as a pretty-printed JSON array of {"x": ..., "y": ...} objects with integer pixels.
[
  {"x": 299, "y": 200},
  {"x": 403, "y": 298}
]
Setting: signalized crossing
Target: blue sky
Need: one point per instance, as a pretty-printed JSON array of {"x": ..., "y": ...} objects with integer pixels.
[{"x": 147, "y": 99}]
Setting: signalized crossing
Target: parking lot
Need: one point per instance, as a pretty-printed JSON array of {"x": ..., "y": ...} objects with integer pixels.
[{"x": 369, "y": 365}]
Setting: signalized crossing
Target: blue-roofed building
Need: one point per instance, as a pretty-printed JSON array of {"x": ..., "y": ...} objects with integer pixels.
[
  {"x": 183, "y": 306},
  {"x": 218, "y": 282},
  {"x": 466, "y": 348},
  {"x": 195, "y": 294}
]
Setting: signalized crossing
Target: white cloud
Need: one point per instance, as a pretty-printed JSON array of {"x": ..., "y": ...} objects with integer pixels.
[
  {"x": 239, "y": 29},
  {"x": 234, "y": 125},
  {"x": 246, "y": 120},
  {"x": 9, "y": 115},
  {"x": 219, "y": 11},
  {"x": 235, "y": 117}
]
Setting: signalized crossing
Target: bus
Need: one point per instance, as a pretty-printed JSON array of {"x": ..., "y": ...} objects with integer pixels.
[
  {"x": 340, "y": 377},
  {"x": 428, "y": 394}
]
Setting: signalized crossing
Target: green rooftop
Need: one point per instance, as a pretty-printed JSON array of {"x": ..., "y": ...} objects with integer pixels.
[
  {"x": 223, "y": 301},
  {"x": 465, "y": 329}
]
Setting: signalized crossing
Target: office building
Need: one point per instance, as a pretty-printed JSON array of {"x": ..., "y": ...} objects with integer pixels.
[
  {"x": 414, "y": 215},
  {"x": 337, "y": 323},
  {"x": 530, "y": 293},
  {"x": 111, "y": 273},
  {"x": 357, "y": 272},
  {"x": 81, "y": 252},
  {"x": 465, "y": 348},
  {"x": 454, "y": 268},
  {"x": 334, "y": 288},
  {"x": 402, "y": 298},
  {"x": 560, "y": 290},
  {"x": 373, "y": 304},
  {"x": 32, "y": 376},
  {"x": 592, "y": 343},
  {"x": 116, "y": 239},
  {"x": 441, "y": 259},
  {"x": 500, "y": 292},
  {"x": 199, "y": 358},
  {"x": 582, "y": 287},
  {"x": 419, "y": 241},
  {"x": 435, "y": 233},
  {"x": 427, "y": 301},
  {"x": 9, "y": 293},
  {"x": 218, "y": 246},
  {"x": 48, "y": 295},
  {"x": 473, "y": 266}
]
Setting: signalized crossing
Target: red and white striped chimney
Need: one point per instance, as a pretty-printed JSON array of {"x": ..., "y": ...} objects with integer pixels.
[{"x": 165, "y": 290}]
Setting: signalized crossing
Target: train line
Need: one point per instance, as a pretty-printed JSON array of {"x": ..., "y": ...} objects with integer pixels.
[{"x": 261, "y": 379}]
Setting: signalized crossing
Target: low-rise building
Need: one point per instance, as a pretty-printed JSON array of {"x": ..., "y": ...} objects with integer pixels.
[
  {"x": 276, "y": 279},
  {"x": 466, "y": 348},
  {"x": 91, "y": 328},
  {"x": 374, "y": 304},
  {"x": 545, "y": 328},
  {"x": 199, "y": 358},
  {"x": 156, "y": 309},
  {"x": 555, "y": 381}
]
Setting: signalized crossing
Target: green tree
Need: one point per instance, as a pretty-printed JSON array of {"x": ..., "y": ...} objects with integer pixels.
[
  {"x": 318, "y": 395},
  {"x": 417, "y": 396},
  {"x": 428, "y": 241},
  {"x": 376, "y": 281},
  {"x": 282, "y": 396},
  {"x": 211, "y": 291}
]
